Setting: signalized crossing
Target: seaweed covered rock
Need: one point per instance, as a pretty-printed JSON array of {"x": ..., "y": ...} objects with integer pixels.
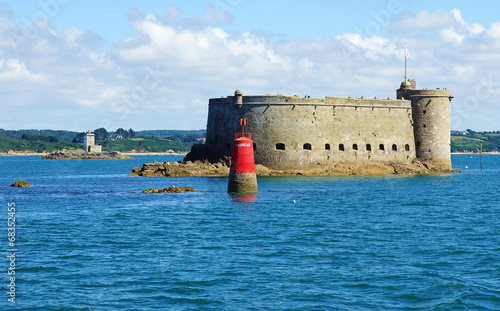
[
  {"x": 172, "y": 189},
  {"x": 21, "y": 183},
  {"x": 83, "y": 155}
]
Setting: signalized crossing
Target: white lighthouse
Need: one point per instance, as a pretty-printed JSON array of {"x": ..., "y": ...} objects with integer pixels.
[{"x": 89, "y": 143}]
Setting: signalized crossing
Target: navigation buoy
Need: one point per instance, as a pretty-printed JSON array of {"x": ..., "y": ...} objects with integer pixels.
[{"x": 242, "y": 176}]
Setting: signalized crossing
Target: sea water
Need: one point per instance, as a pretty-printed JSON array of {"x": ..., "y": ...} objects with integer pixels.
[{"x": 87, "y": 238}]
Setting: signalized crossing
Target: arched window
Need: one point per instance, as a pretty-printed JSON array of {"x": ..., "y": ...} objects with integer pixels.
[
  {"x": 280, "y": 146},
  {"x": 327, "y": 147},
  {"x": 381, "y": 147},
  {"x": 407, "y": 147},
  {"x": 394, "y": 147},
  {"x": 307, "y": 147},
  {"x": 368, "y": 147},
  {"x": 355, "y": 147},
  {"x": 341, "y": 147}
]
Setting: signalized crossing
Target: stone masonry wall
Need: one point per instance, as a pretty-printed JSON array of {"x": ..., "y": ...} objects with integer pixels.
[{"x": 313, "y": 131}]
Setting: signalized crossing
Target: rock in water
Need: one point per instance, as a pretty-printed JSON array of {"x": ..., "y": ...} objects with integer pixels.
[
  {"x": 21, "y": 183},
  {"x": 170, "y": 190},
  {"x": 72, "y": 155}
]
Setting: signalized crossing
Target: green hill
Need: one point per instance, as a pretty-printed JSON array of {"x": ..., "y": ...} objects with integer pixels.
[
  {"x": 471, "y": 142},
  {"x": 140, "y": 144},
  {"x": 60, "y": 134},
  {"x": 49, "y": 141},
  {"x": 8, "y": 143}
]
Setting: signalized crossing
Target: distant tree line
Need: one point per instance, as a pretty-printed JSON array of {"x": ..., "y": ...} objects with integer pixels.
[
  {"x": 125, "y": 134},
  {"x": 60, "y": 134},
  {"x": 49, "y": 139},
  {"x": 119, "y": 140},
  {"x": 102, "y": 135}
]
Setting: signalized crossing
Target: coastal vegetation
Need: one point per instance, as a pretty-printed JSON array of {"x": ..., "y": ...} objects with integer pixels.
[
  {"x": 8, "y": 143},
  {"x": 121, "y": 140},
  {"x": 470, "y": 141}
]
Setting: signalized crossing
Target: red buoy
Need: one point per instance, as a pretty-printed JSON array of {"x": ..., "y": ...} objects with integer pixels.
[{"x": 242, "y": 176}]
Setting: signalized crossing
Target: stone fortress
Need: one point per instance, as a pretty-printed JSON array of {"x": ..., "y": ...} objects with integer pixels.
[{"x": 295, "y": 133}]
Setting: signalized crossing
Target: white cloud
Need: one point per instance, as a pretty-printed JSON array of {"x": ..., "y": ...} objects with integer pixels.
[
  {"x": 373, "y": 46},
  {"x": 12, "y": 70},
  {"x": 450, "y": 35},
  {"x": 494, "y": 31},
  {"x": 211, "y": 51},
  {"x": 435, "y": 21},
  {"x": 463, "y": 71},
  {"x": 473, "y": 29}
]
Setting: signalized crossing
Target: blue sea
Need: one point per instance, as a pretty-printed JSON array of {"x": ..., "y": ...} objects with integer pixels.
[{"x": 87, "y": 238}]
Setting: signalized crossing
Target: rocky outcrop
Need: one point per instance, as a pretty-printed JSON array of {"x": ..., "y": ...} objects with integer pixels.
[
  {"x": 21, "y": 183},
  {"x": 64, "y": 155},
  {"x": 170, "y": 190},
  {"x": 198, "y": 168},
  {"x": 181, "y": 169}
]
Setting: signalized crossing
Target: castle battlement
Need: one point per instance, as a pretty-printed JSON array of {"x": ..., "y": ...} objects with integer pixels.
[{"x": 327, "y": 101}]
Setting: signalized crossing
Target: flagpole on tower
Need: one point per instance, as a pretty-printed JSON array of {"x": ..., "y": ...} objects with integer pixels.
[{"x": 407, "y": 55}]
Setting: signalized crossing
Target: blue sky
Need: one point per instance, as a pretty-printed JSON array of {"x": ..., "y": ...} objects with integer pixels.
[
  {"x": 77, "y": 65},
  {"x": 292, "y": 19}
]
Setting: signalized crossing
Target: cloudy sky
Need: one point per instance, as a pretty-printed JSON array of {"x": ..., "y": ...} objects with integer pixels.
[{"x": 78, "y": 65}]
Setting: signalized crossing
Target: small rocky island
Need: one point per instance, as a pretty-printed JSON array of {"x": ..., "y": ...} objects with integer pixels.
[
  {"x": 71, "y": 155},
  {"x": 172, "y": 189},
  {"x": 21, "y": 184},
  {"x": 90, "y": 151}
]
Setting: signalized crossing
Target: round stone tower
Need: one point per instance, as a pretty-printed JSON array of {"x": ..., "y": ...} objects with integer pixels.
[{"x": 431, "y": 125}]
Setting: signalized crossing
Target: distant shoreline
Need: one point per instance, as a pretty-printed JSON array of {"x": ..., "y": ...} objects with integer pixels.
[
  {"x": 492, "y": 152},
  {"x": 34, "y": 154},
  {"x": 21, "y": 154},
  {"x": 153, "y": 153}
]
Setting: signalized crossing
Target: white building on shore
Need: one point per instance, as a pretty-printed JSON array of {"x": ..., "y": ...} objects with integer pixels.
[{"x": 89, "y": 143}]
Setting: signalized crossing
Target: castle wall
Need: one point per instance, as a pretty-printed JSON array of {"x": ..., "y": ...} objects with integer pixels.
[{"x": 314, "y": 131}]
